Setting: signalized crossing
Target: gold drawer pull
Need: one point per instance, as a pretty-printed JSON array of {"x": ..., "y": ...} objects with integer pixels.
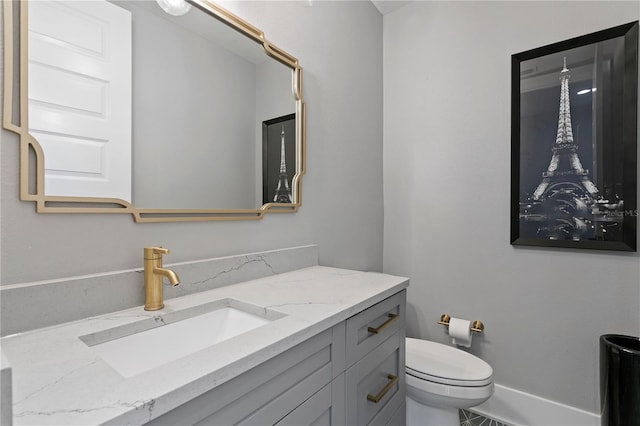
[
  {"x": 376, "y": 330},
  {"x": 392, "y": 381}
]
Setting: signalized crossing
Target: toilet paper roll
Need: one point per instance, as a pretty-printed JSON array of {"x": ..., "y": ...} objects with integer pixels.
[{"x": 460, "y": 331}]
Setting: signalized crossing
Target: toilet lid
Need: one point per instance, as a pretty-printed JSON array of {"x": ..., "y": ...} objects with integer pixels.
[{"x": 445, "y": 364}]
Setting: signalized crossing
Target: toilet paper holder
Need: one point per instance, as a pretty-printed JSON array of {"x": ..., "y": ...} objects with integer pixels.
[{"x": 476, "y": 326}]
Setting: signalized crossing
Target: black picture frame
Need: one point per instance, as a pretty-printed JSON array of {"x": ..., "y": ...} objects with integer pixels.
[
  {"x": 573, "y": 165},
  {"x": 273, "y": 184}
]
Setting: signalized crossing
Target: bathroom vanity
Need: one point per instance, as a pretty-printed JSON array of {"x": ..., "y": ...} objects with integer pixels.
[{"x": 318, "y": 345}]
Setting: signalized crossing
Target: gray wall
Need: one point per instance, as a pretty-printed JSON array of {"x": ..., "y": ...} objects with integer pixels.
[
  {"x": 446, "y": 183},
  {"x": 341, "y": 192}
]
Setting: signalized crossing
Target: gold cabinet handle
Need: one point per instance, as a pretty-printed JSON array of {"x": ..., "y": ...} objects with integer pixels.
[
  {"x": 376, "y": 330},
  {"x": 392, "y": 381}
]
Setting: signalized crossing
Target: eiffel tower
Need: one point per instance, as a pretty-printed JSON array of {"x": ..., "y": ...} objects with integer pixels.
[
  {"x": 565, "y": 171},
  {"x": 283, "y": 193},
  {"x": 567, "y": 204}
]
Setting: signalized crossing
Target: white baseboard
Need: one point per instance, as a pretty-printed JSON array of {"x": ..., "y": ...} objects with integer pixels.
[{"x": 518, "y": 408}]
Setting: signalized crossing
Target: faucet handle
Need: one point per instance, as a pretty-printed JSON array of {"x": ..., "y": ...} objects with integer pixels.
[{"x": 151, "y": 252}]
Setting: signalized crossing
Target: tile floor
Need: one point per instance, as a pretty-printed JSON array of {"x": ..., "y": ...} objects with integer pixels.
[{"x": 467, "y": 418}]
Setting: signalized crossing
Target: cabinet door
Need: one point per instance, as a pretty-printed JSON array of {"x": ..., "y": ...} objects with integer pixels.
[
  {"x": 314, "y": 411},
  {"x": 264, "y": 394},
  {"x": 375, "y": 385}
]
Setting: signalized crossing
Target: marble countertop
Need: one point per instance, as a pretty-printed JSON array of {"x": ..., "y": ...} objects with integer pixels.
[{"x": 59, "y": 380}]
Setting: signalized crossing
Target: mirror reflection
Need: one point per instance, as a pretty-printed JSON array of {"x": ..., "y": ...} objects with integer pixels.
[{"x": 161, "y": 111}]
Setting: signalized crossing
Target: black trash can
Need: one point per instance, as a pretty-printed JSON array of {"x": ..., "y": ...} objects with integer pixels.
[{"x": 619, "y": 380}]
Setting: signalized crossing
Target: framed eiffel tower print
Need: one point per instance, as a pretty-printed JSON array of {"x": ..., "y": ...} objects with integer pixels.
[
  {"x": 574, "y": 113},
  {"x": 278, "y": 159}
]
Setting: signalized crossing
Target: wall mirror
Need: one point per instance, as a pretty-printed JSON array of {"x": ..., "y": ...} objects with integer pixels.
[{"x": 168, "y": 115}]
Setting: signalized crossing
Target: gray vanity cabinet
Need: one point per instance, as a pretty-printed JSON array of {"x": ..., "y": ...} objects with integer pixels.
[{"x": 324, "y": 380}]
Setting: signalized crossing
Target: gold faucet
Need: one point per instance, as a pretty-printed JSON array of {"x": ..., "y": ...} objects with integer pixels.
[{"x": 153, "y": 274}]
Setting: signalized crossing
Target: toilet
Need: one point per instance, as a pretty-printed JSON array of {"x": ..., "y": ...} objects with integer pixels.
[{"x": 441, "y": 380}]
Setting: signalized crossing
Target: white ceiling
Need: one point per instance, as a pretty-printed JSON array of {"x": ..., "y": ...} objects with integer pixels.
[{"x": 386, "y": 6}]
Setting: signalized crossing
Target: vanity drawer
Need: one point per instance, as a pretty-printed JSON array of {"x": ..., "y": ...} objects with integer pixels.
[
  {"x": 375, "y": 385},
  {"x": 373, "y": 326},
  {"x": 399, "y": 418}
]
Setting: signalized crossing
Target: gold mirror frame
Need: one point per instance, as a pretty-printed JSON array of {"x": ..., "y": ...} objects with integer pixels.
[{"x": 16, "y": 118}]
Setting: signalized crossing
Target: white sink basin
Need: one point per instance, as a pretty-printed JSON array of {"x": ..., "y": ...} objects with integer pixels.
[{"x": 144, "y": 345}]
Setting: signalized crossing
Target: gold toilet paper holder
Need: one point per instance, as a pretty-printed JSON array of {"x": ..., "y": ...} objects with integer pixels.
[{"x": 476, "y": 326}]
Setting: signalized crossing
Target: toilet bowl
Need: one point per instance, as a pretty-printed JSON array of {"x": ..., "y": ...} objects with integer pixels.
[{"x": 441, "y": 380}]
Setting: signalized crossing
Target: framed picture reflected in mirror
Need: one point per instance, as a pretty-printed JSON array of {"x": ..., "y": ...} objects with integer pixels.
[{"x": 278, "y": 159}]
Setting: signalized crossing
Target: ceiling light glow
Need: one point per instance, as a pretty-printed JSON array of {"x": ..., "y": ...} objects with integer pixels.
[{"x": 174, "y": 7}]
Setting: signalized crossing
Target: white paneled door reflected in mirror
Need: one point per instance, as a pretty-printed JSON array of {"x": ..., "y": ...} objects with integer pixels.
[{"x": 122, "y": 107}]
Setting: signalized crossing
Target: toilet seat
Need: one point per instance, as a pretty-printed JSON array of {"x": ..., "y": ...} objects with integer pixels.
[
  {"x": 442, "y": 364},
  {"x": 443, "y": 376}
]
